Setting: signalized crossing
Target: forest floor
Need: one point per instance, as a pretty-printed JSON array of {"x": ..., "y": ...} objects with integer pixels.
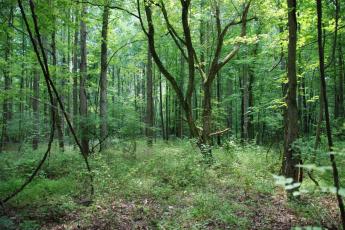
[{"x": 164, "y": 187}]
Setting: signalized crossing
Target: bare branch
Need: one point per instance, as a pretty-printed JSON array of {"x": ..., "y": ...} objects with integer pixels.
[
  {"x": 221, "y": 132},
  {"x": 141, "y": 19},
  {"x": 109, "y": 6},
  {"x": 243, "y": 33}
]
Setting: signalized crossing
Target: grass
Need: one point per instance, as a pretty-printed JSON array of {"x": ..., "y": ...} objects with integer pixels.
[{"x": 164, "y": 187}]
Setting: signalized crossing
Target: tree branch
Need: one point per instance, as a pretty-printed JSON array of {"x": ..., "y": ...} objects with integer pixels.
[{"x": 110, "y": 7}]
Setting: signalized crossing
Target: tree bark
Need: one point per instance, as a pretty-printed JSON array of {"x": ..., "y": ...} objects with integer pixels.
[
  {"x": 327, "y": 117},
  {"x": 244, "y": 103},
  {"x": 104, "y": 81},
  {"x": 7, "y": 104},
  {"x": 341, "y": 82},
  {"x": 291, "y": 155},
  {"x": 75, "y": 74},
  {"x": 219, "y": 101},
  {"x": 36, "y": 111},
  {"x": 83, "y": 110},
  {"x": 161, "y": 107},
  {"x": 230, "y": 108},
  {"x": 149, "y": 100},
  {"x": 58, "y": 119}
]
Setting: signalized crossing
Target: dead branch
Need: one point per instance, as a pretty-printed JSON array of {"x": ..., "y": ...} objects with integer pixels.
[{"x": 219, "y": 132}]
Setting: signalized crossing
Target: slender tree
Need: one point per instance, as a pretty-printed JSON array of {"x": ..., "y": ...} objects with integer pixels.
[
  {"x": 35, "y": 107},
  {"x": 327, "y": 117},
  {"x": 103, "y": 79},
  {"x": 149, "y": 100},
  {"x": 83, "y": 110}
]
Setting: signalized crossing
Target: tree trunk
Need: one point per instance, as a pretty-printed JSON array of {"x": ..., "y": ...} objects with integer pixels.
[
  {"x": 319, "y": 123},
  {"x": 327, "y": 118},
  {"x": 149, "y": 100},
  {"x": 103, "y": 81},
  {"x": 6, "y": 109},
  {"x": 341, "y": 82},
  {"x": 21, "y": 85},
  {"x": 244, "y": 103},
  {"x": 167, "y": 111},
  {"x": 207, "y": 114},
  {"x": 219, "y": 101},
  {"x": 161, "y": 107},
  {"x": 58, "y": 119},
  {"x": 36, "y": 111},
  {"x": 305, "y": 108},
  {"x": 230, "y": 113},
  {"x": 291, "y": 155},
  {"x": 75, "y": 75},
  {"x": 250, "y": 104},
  {"x": 179, "y": 119},
  {"x": 82, "y": 87}
]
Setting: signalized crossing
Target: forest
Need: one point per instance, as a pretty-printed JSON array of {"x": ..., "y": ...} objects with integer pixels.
[{"x": 172, "y": 114}]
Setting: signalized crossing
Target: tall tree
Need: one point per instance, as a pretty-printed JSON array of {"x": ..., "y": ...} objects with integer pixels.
[
  {"x": 35, "y": 107},
  {"x": 327, "y": 117},
  {"x": 291, "y": 155},
  {"x": 202, "y": 134},
  {"x": 161, "y": 107},
  {"x": 103, "y": 79},
  {"x": 58, "y": 119},
  {"x": 75, "y": 72},
  {"x": 83, "y": 109},
  {"x": 149, "y": 100},
  {"x": 7, "y": 104}
]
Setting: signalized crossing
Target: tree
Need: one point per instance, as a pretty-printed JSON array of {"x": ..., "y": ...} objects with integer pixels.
[
  {"x": 103, "y": 79},
  {"x": 207, "y": 77},
  {"x": 291, "y": 155},
  {"x": 149, "y": 100},
  {"x": 35, "y": 107},
  {"x": 7, "y": 105},
  {"x": 83, "y": 109},
  {"x": 327, "y": 118}
]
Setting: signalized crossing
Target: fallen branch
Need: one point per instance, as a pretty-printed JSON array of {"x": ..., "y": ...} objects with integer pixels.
[{"x": 219, "y": 132}]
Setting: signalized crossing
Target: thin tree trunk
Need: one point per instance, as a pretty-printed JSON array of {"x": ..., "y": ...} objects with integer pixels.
[
  {"x": 180, "y": 109},
  {"x": 161, "y": 107},
  {"x": 167, "y": 111},
  {"x": 75, "y": 74},
  {"x": 58, "y": 119},
  {"x": 244, "y": 104},
  {"x": 305, "y": 108},
  {"x": 103, "y": 81},
  {"x": 83, "y": 110},
  {"x": 319, "y": 123},
  {"x": 219, "y": 101},
  {"x": 6, "y": 109},
  {"x": 36, "y": 110},
  {"x": 149, "y": 100},
  {"x": 327, "y": 118},
  {"x": 250, "y": 105},
  {"x": 341, "y": 82},
  {"x": 21, "y": 83},
  {"x": 230, "y": 113}
]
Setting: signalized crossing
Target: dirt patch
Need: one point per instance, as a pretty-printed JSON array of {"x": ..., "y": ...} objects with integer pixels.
[{"x": 119, "y": 215}]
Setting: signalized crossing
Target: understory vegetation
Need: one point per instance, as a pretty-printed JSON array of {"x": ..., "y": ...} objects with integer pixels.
[
  {"x": 167, "y": 186},
  {"x": 172, "y": 114}
]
